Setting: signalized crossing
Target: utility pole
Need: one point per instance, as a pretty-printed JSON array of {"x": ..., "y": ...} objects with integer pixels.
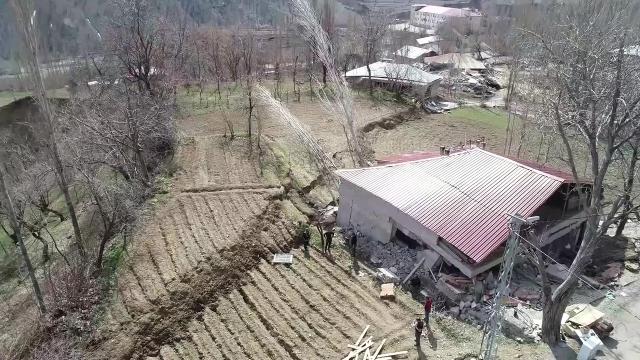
[{"x": 489, "y": 346}]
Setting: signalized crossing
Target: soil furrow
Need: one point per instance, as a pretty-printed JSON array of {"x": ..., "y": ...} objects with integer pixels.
[
  {"x": 214, "y": 207},
  {"x": 223, "y": 336},
  {"x": 161, "y": 258},
  {"x": 241, "y": 334},
  {"x": 295, "y": 320},
  {"x": 281, "y": 332},
  {"x": 180, "y": 267},
  {"x": 208, "y": 231},
  {"x": 310, "y": 312},
  {"x": 187, "y": 350},
  {"x": 138, "y": 297},
  {"x": 226, "y": 205},
  {"x": 184, "y": 242},
  {"x": 191, "y": 234},
  {"x": 332, "y": 313},
  {"x": 358, "y": 289},
  {"x": 207, "y": 347},
  {"x": 216, "y": 230},
  {"x": 257, "y": 328},
  {"x": 168, "y": 353},
  {"x": 145, "y": 280},
  {"x": 155, "y": 276},
  {"x": 174, "y": 245},
  {"x": 355, "y": 310},
  {"x": 192, "y": 218}
]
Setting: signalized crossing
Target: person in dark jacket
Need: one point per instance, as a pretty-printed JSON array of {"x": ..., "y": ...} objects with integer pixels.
[
  {"x": 304, "y": 235},
  {"x": 418, "y": 331},
  {"x": 353, "y": 242},
  {"x": 328, "y": 239}
]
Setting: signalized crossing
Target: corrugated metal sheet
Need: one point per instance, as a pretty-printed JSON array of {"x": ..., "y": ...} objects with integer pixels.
[{"x": 464, "y": 197}]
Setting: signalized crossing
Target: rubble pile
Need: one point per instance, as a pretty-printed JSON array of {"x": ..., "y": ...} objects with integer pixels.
[
  {"x": 394, "y": 256},
  {"x": 474, "y": 83}
]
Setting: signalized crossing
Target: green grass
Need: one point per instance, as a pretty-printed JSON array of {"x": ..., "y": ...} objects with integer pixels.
[
  {"x": 7, "y": 97},
  {"x": 494, "y": 118}
]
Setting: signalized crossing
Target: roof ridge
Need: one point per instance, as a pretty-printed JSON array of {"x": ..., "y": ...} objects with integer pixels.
[{"x": 538, "y": 171}]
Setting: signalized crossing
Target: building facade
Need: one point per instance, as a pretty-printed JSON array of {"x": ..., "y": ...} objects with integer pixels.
[{"x": 431, "y": 17}]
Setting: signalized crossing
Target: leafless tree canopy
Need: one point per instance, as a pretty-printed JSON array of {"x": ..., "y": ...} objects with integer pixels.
[{"x": 589, "y": 92}]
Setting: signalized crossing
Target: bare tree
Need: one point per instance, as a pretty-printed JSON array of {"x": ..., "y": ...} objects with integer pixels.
[
  {"x": 8, "y": 204},
  {"x": 233, "y": 57},
  {"x": 247, "y": 47},
  {"x": 374, "y": 29},
  {"x": 25, "y": 15},
  {"x": 337, "y": 98},
  {"x": 213, "y": 54},
  {"x": 590, "y": 93},
  {"x": 135, "y": 38}
]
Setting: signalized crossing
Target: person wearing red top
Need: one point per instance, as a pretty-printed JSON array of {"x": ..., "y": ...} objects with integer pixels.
[{"x": 427, "y": 309}]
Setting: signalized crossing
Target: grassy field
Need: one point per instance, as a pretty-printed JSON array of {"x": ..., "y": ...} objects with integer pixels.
[
  {"x": 477, "y": 116},
  {"x": 7, "y": 97}
]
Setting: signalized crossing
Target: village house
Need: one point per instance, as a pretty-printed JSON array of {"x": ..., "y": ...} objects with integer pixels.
[
  {"x": 393, "y": 75},
  {"x": 414, "y": 53},
  {"x": 459, "y": 205},
  {"x": 431, "y": 17}
]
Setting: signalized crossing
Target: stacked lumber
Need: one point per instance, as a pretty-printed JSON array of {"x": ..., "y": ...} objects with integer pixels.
[{"x": 363, "y": 349}]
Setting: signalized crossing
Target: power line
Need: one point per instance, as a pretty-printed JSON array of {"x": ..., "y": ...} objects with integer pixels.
[{"x": 572, "y": 273}]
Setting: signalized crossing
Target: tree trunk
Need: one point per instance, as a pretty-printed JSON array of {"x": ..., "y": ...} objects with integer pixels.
[
  {"x": 23, "y": 249},
  {"x": 62, "y": 182},
  {"x": 370, "y": 83},
  {"x": 552, "y": 317},
  {"x": 628, "y": 187},
  {"x": 324, "y": 75}
]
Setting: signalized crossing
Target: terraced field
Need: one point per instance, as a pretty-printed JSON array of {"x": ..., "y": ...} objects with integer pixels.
[
  {"x": 308, "y": 310},
  {"x": 198, "y": 283}
]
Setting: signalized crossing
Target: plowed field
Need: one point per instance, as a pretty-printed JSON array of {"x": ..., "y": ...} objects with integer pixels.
[{"x": 198, "y": 282}]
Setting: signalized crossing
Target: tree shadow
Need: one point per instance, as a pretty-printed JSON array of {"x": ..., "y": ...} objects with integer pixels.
[
  {"x": 421, "y": 354},
  {"x": 432, "y": 339},
  {"x": 563, "y": 351}
]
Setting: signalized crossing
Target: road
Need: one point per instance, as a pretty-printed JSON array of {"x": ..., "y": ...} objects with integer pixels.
[{"x": 624, "y": 313}]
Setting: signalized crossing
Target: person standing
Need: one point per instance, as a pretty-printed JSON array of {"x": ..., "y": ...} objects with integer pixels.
[
  {"x": 418, "y": 331},
  {"x": 428, "y": 302},
  {"x": 304, "y": 235},
  {"x": 328, "y": 236},
  {"x": 354, "y": 242}
]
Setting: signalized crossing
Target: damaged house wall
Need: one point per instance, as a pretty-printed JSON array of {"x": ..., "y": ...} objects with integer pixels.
[
  {"x": 379, "y": 201},
  {"x": 378, "y": 220}
]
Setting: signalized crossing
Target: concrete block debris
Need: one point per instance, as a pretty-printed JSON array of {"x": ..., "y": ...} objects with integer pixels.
[{"x": 282, "y": 259}]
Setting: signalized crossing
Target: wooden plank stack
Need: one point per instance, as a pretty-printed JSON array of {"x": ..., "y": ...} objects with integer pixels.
[{"x": 363, "y": 349}]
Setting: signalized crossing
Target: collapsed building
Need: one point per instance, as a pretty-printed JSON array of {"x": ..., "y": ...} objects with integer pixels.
[
  {"x": 458, "y": 205},
  {"x": 386, "y": 74}
]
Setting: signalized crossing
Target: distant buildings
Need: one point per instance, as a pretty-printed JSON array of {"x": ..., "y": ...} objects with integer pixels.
[{"x": 430, "y": 16}]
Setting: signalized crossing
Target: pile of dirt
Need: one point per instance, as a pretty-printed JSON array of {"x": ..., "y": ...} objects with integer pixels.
[{"x": 391, "y": 122}]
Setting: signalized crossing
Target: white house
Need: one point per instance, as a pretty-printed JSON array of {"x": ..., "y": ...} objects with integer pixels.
[
  {"x": 385, "y": 73},
  {"x": 415, "y": 53},
  {"x": 430, "y": 16}
]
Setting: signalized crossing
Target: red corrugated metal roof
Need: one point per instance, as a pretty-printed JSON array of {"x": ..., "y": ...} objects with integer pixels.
[
  {"x": 421, "y": 155},
  {"x": 464, "y": 197}
]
